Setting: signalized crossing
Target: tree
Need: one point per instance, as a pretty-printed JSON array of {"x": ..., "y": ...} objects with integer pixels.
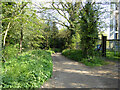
[
  {"x": 89, "y": 28},
  {"x": 66, "y": 10},
  {"x": 20, "y": 24},
  {"x": 11, "y": 11},
  {"x": 53, "y": 36}
]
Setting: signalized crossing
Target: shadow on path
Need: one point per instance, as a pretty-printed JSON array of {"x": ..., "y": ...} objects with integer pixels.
[{"x": 71, "y": 74}]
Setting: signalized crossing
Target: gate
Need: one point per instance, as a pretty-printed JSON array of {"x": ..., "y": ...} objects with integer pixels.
[{"x": 110, "y": 45}]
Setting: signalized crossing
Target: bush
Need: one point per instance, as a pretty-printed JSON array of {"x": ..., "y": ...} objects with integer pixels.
[
  {"x": 50, "y": 51},
  {"x": 95, "y": 61},
  {"x": 73, "y": 54},
  {"x": 77, "y": 55},
  {"x": 29, "y": 70},
  {"x": 10, "y": 52},
  {"x": 56, "y": 49}
]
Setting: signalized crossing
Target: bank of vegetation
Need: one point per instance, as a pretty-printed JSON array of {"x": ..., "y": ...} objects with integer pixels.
[{"x": 31, "y": 35}]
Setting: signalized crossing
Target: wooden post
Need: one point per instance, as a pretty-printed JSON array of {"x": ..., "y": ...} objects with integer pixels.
[
  {"x": 104, "y": 38},
  {"x": 119, "y": 30}
]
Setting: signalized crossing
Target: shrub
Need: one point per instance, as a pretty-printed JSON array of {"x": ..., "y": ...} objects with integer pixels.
[
  {"x": 77, "y": 55},
  {"x": 95, "y": 61},
  {"x": 57, "y": 50},
  {"x": 29, "y": 70},
  {"x": 50, "y": 51},
  {"x": 73, "y": 54},
  {"x": 10, "y": 52}
]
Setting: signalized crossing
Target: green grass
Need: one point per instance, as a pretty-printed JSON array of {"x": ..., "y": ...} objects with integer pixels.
[
  {"x": 29, "y": 70},
  {"x": 111, "y": 55},
  {"x": 77, "y": 56}
]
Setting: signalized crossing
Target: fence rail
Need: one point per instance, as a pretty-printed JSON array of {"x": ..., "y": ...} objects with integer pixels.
[{"x": 113, "y": 40}]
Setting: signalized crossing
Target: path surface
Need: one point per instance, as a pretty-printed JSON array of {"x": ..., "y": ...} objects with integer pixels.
[{"x": 71, "y": 74}]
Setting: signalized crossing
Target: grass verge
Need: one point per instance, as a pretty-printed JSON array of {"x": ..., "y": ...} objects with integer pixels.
[
  {"x": 29, "y": 70},
  {"x": 112, "y": 55}
]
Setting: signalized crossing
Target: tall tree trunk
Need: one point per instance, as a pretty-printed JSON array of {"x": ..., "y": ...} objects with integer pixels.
[
  {"x": 21, "y": 39},
  {"x": 119, "y": 27},
  {"x": 47, "y": 42},
  {"x": 6, "y": 34}
]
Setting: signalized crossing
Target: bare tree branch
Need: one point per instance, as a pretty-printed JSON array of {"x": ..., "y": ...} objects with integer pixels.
[{"x": 60, "y": 13}]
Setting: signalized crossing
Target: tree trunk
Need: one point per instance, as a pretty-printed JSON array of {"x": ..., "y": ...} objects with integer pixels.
[
  {"x": 21, "y": 39},
  {"x": 47, "y": 42},
  {"x": 119, "y": 28},
  {"x": 6, "y": 34}
]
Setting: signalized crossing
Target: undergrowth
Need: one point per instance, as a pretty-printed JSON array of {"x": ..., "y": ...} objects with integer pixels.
[
  {"x": 78, "y": 56},
  {"x": 29, "y": 70}
]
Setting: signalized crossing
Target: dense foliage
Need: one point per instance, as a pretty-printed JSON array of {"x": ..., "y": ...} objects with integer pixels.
[
  {"x": 29, "y": 70},
  {"x": 89, "y": 28},
  {"x": 77, "y": 55},
  {"x": 22, "y": 27},
  {"x": 25, "y": 33},
  {"x": 73, "y": 54},
  {"x": 34, "y": 32}
]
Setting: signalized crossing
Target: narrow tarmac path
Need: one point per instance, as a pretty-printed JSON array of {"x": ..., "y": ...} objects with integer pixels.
[{"x": 71, "y": 74}]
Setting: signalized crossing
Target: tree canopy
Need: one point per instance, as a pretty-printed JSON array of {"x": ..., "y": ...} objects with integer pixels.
[{"x": 33, "y": 28}]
